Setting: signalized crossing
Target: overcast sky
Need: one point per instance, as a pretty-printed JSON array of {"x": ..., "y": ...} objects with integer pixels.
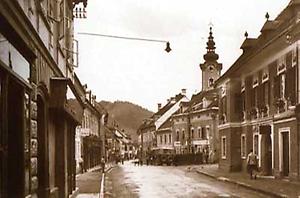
[{"x": 142, "y": 72}]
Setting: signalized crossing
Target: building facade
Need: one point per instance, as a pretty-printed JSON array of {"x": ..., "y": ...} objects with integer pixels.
[
  {"x": 259, "y": 99},
  {"x": 37, "y": 98},
  {"x": 89, "y": 139}
]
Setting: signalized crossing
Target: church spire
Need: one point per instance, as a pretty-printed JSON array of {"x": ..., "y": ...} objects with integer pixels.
[{"x": 211, "y": 55}]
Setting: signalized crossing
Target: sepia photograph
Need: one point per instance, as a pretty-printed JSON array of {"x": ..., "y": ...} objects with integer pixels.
[{"x": 149, "y": 99}]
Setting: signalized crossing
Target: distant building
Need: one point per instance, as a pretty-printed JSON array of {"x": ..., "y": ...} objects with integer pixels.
[
  {"x": 259, "y": 99},
  {"x": 88, "y": 147},
  {"x": 195, "y": 122},
  {"x": 156, "y": 132}
]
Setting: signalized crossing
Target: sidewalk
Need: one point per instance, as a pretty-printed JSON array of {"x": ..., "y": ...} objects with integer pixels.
[
  {"x": 265, "y": 185},
  {"x": 89, "y": 183}
]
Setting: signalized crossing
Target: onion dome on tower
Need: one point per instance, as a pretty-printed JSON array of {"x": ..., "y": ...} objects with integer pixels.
[{"x": 210, "y": 55}]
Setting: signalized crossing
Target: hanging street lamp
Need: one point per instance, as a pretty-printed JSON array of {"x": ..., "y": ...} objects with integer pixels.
[{"x": 168, "y": 48}]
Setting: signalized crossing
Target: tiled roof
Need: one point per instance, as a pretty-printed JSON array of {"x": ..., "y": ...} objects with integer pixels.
[
  {"x": 168, "y": 106},
  {"x": 166, "y": 124},
  {"x": 209, "y": 94}
]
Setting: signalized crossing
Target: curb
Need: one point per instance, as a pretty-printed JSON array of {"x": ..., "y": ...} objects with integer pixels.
[
  {"x": 244, "y": 185},
  {"x": 102, "y": 185}
]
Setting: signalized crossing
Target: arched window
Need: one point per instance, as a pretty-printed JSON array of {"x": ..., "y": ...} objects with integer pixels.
[{"x": 210, "y": 82}]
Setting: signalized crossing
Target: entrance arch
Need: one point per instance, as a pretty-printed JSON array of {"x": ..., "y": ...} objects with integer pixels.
[{"x": 42, "y": 138}]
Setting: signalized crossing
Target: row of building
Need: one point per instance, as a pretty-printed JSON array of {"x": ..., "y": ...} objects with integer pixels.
[
  {"x": 253, "y": 105},
  {"x": 49, "y": 121}
]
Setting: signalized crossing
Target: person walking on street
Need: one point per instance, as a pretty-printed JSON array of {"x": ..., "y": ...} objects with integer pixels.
[
  {"x": 252, "y": 163},
  {"x": 103, "y": 164}
]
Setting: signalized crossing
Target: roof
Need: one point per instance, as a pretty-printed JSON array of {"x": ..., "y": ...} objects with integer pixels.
[
  {"x": 269, "y": 25},
  {"x": 169, "y": 105},
  {"x": 166, "y": 125},
  {"x": 209, "y": 94},
  {"x": 282, "y": 22}
]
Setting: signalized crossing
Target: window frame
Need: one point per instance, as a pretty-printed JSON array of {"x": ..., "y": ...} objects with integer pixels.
[
  {"x": 243, "y": 146},
  {"x": 223, "y": 147}
]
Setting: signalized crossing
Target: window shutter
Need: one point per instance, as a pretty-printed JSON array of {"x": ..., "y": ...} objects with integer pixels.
[
  {"x": 248, "y": 88},
  {"x": 289, "y": 60},
  {"x": 260, "y": 89},
  {"x": 267, "y": 92},
  {"x": 239, "y": 105},
  {"x": 276, "y": 87},
  {"x": 290, "y": 83}
]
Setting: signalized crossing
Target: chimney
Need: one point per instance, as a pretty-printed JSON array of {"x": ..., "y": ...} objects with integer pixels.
[
  {"x": 183, "y": 92},
  {"x": 84, "y": 87},
  {"x": 158, "y": 106},
  {"x": 89, "y": 95}
]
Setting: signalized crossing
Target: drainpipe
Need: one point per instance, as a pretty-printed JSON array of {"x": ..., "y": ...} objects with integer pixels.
[{"x": 189, "y": 132}]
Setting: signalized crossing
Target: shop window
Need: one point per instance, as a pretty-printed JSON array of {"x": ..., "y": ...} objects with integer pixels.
[
  {"x": 10, "y": 56},
  {"x": 243, "y": 146},
  {"x": 223, "y": 147}
]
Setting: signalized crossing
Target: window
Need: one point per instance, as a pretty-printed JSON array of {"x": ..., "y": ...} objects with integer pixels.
[
  {"x": 223, "y": 147},
  {"x": 177, "y": 135},
  {"x": 203, "y": 133},
  {"x": 161, "y": 139},
  {"x": 281, "y": 85},
  {"x": 243, "y": 146},
  {"x": 183, "y": 135},
  {"x": 170, "y": 138},
  {"x": 210, "y": 82},
  {"x": 207, "y": 132},
  {"x": 165, "y": 139},
  {"x": 192, "y": 133},
  {"x": 62, "y": 20},
  {"x": 199, "y": 132}
]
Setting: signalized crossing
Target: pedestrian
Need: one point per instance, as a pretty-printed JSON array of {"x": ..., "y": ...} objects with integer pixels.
[
  {"x": 103, "y": 164},
  {"x": 252, "y": 162},
  {"x": 80, "y": 160},
  {"x": 122, "y": 159}
]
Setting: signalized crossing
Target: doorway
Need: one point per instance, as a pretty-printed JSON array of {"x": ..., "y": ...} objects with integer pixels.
[
  {"x": 266, "y": 149},
  {"x": 285, "y": 153},
  {"x": 42, "y": 170},
  {"x": 15, "y": 139}
]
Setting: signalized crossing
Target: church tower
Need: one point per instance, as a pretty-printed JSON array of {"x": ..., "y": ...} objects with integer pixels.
[{"x": 211, "y": 69}]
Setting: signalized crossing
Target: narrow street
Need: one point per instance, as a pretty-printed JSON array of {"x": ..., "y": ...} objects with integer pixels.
[{"x": 167, "y": 181}]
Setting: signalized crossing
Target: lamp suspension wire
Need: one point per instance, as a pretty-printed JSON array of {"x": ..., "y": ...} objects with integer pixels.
[{"x": 123, "y": 37}]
